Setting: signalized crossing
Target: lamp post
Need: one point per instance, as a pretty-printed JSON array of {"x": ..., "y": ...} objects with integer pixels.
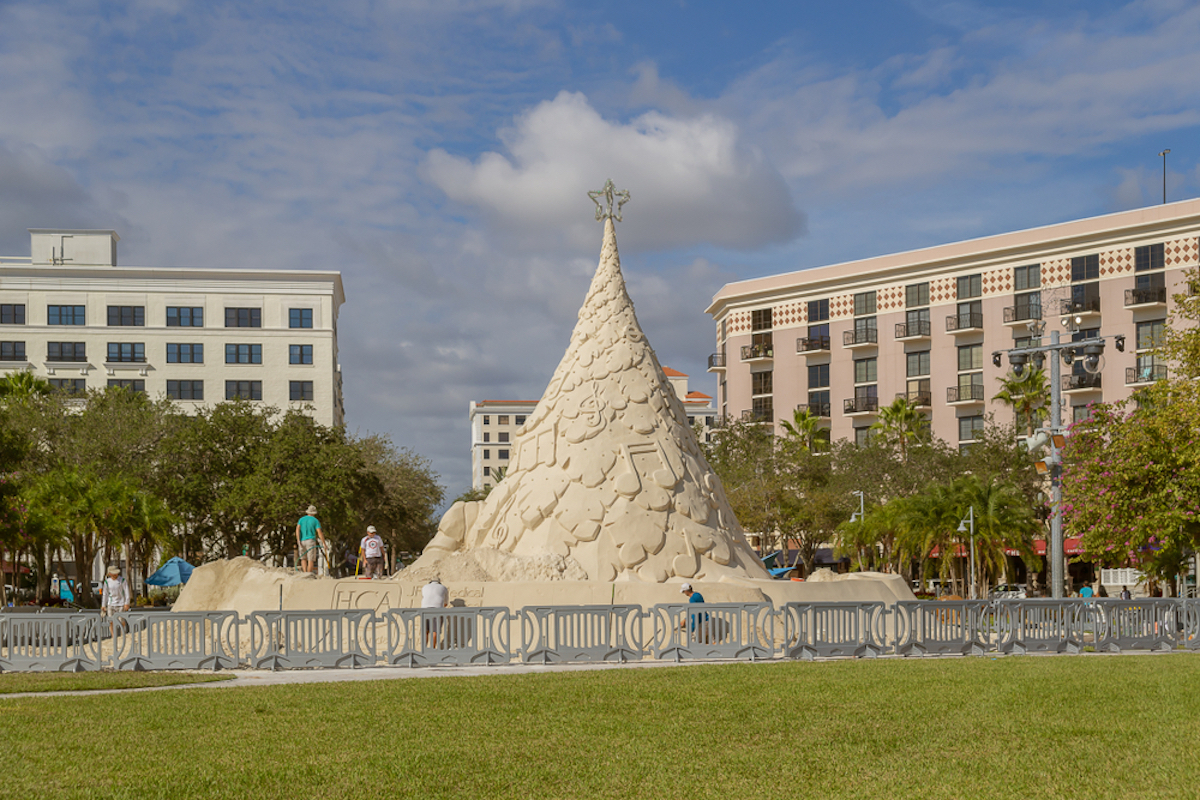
[
  {"x": 962, "y": 528},
  {"x": 1091, "y": 352},
  {"x": 859, "y": 516},
  {"x": 1164, "y": 158}
]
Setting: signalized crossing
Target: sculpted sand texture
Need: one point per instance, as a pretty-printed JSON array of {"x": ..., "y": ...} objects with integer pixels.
[{"x": 607, "y": 475}]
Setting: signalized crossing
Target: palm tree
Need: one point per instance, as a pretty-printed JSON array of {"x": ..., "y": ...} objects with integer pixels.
[
  {"x": 802, "y": 430},
  {"x": 20, "y": 387},
  {"x": 901, "y": 423},
  {"x": 1028, "y": 397}
]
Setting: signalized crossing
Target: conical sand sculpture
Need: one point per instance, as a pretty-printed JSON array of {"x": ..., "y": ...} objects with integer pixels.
[{"x": 607, "y": 475}]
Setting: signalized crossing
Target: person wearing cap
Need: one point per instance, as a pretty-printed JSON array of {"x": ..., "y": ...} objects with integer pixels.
[
  {"x": 308, "y": 533},
  {"x": 371, "y": 550},
  {"x": 693, "y": 597},
  {"x": 434, "y": 595},
  {"x": 115, "y": 596}
]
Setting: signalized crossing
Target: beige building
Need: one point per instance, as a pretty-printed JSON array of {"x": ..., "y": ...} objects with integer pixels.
[
  {"x": 494, "y": 426},
  {"x": 71, "y": 314},
  {"x": 844, "y": 340}
]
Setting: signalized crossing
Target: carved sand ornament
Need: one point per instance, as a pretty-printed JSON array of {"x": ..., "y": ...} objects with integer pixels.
[{"x": 607, "y": 473}]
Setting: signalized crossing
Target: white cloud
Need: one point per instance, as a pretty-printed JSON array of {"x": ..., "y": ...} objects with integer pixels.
[{"x": 691, "y": 179}]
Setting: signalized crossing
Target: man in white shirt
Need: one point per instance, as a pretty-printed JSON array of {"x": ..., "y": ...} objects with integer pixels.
[
  {"x": 370, "y": 549},
  {"x": 434, "y": 595},
  {"x": 115, "y": 596}
]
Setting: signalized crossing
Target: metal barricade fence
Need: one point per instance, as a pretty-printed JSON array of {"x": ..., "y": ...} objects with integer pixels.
[
  {"x": 942, "y": 627},
  {"x": 1189, "y": 623},
  {"x": 308, "y": 639},
  {"x": 713, "y": 630},
  {"x": 51, "y": 643},
  {"x": 419, "y": 637},
  {"x": 177, "y": 640},
  {"x": 833, "y": 629},
  {"x": 1117, "y": 625},
  {"x": 1041, "y": 626},
  {"x": 553, "y": 634}
]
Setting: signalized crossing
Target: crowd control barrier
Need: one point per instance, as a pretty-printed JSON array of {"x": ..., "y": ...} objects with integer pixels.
[{"x": 429, "y": 637}]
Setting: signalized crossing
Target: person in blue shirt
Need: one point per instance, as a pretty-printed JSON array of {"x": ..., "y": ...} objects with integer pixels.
[
  {"x": 695, "y": 597},
  {"x": 308, "y": 533}
]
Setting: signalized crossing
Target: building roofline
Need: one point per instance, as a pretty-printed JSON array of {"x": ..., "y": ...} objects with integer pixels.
[
  {"x": 1060, "y": 235},
  {"x": 84, "y": 231}
]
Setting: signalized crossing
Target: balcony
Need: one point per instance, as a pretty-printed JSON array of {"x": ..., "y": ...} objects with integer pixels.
[
  {"x": 757, "y": 352},
  {"x": 1081, "y": 383},
  {"x": 716, "y": 362},
  {"x": 964, "y": 323},
  {"x": 1019, "y": 315},
  {"x": 814, "y": 344},
  {"x": 816, "y": 409},
  {"x": 1154, "y": 296},
  {"x": 758, "y": 417},
  {"x": 918, "y": 399},
  {"x": 1080, "y": 308},
  {"x": 912, "y": 330},
  {"x": 1135, "y": 376},
  {"x": 868, "y": 337},
  {"x": 962, "y": 395},
  {"x": 860, "y": 405}
]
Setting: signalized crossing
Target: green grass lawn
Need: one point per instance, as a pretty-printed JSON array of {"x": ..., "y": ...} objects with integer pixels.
[
  {"x": 1017, "y": 727},
  {"x": 14, "y": 682}
]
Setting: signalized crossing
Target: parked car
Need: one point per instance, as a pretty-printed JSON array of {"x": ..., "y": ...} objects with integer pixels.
[{"x": 1008, "y": 591}]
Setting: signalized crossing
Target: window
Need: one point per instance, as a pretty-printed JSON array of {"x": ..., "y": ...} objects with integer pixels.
[
  {"x": 487, "y": 437},
  {"x": 818, "y": 403},
  {"x": 487, "y": 471},
  {"x": 243, "y": 354},
  {"x": 818, "y": 376},
  {"x": 185, "y": 353},
  {"x": 1028, "y": 305},
  {"x": 970, "y": 314},
  {"x": 300, "y": 390},
  {"x": 69, "y": 385},
  {"x": 819, "y": 333},
  {"x": 487, "y": 454},
  {"x": 918, "y": 364},
  {"x": 65, "y": 315},
  {"x": 502, "y": 455},
  {"x": 66, "y": 351},
  {"x": 12, "y": 314},
  {"x": 1148, "y": 258},
  {"x": 818, "y": 310},
  {"x": 1085, "y": 268},
  {"x": 970, "y": 286},
  {"x": 125, "y": 316},
  {"x": 243, "y": 318},
  {"x": 300, "y": 353},
  {"x": 1149, "y": 334},
  {"x": 865, "y": 370},
  {"x": 1026, "y": 278},
  {"x": 866, "y": 398},
  {"x": 185, "y": 317},
  {"x": 1081, "y": 413},
  {"x": 503, "y": 437},
  {"x": 970, "y": 356},
  {"x": 969, "y": 428},
  {"x": 862, "y": 436},
  {"x": 864, "y": 327},
  {"x": 137, "y": 385},
  {"x": 502, "y": 419},
  {"x": 185, "y": 390},
  {"x": 520, "y": 420},
  {"x": 967, "y": 383},
  {"x": 763, "y": 409},
  {"x": 1027, "y": 341},
  {"x": 126, "y": 352},
  {"x": 1085, "y": 297},
  {"x": 864, "y": 304},
  {"x": 243, "y": 390},
  {"x": 760, "y": 319},
  {"x": 487, "y": 420},
  {"x": 12, "y": 351},
  {"x": 299, "y": 318},
  {"x": 1151, "y": 280},
  {"x": 916, "y": 295},
  {"x": 761, "y": 382},
  {"x": 917, "y": 321}
]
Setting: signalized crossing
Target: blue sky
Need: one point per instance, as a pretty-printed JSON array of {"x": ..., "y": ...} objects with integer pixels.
[{"x": 438, "y": 153}]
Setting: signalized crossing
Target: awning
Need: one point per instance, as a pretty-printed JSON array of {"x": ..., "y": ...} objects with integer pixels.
[
  {"x": 1071, "y": 547},
  {"x": 7, "y": 567}
]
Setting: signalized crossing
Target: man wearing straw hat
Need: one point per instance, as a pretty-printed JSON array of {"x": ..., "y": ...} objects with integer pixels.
[
  {"x": 114, "y": 596},
  {"x": 308, "y": 532}
]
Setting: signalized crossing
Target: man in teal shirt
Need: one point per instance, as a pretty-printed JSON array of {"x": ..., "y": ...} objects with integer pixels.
[{"x": 308, "y": 532}]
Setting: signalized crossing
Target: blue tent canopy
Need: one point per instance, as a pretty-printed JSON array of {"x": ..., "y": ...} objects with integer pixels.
[
  {"x": 779, "y": 571},
  {"x": 172, "y": 573}
]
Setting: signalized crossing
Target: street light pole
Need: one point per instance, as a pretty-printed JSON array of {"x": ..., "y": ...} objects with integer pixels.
[
  {"x": 1164, "y": 158},
  {"x": 860, "y": 515},
  {"x": 962, "y": 528}
]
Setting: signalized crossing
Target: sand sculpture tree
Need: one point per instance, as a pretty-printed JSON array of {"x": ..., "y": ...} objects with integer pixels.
[{"x": 606, "y": 474}]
